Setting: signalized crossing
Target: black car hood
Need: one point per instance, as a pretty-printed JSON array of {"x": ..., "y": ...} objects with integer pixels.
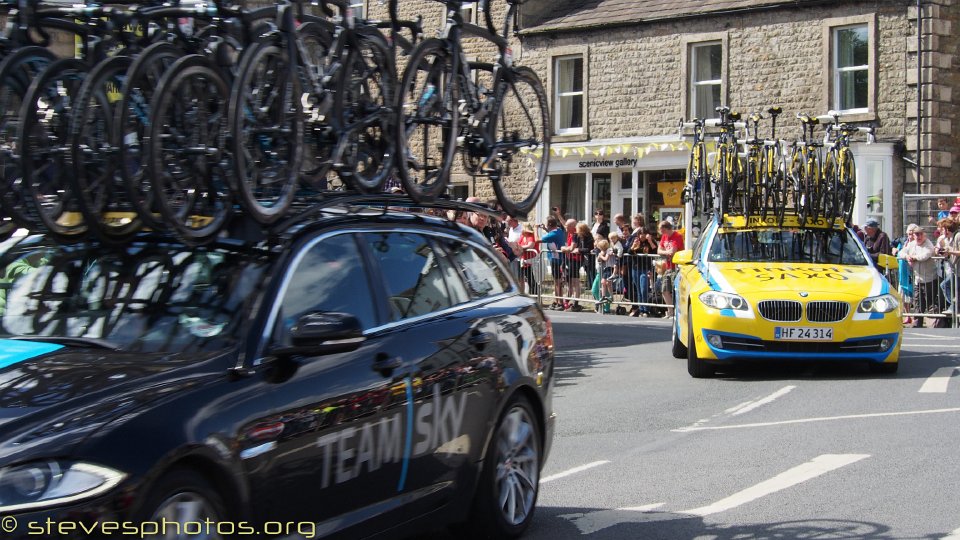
[{"x": 60, "y": 397}]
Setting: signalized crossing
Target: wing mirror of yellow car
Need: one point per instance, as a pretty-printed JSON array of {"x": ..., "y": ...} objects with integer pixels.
[
  {"x": 887, "y": 262},
  {"x": 683, "y": 257}
]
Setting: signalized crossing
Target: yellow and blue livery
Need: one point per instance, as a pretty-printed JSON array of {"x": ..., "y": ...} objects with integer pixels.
[{"x": 755, "y": 290}]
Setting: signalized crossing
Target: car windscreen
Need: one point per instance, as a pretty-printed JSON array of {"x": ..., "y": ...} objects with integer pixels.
[
  {"x": 820, "y": 246},
  {"x": 142, "y": 298}
]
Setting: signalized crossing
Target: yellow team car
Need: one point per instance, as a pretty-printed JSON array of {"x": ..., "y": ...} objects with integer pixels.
[{"x": 750, "y": 291}]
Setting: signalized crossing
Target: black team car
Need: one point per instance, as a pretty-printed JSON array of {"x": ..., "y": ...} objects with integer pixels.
[{"x": 360, "y": 373}]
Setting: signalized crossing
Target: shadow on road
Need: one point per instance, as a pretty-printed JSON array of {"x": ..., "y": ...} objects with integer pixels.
[{"x": 560, "y": 523}]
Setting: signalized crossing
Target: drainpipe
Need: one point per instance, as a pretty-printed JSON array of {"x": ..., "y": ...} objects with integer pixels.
[{"x": 919, "y": 89}]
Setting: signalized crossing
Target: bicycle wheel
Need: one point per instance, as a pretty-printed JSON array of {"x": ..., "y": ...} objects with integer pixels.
[
  {"x": 751, "y": 189},
  {"x": 428, "y": 125},
  {"x": 520, "y": 130},
  {"x": 694, "y": 187},
  {"x": 188, "y": 165},
  {"x": 44, "y": 129},
  {"x": 831, "y": 189},
  {"x": 17, "y": 70},
  {"x": 319, "y": 136},
  {"x": 364, "y": 110},
  {"x": 132, "y": 125},
  {"x": 267, "y": 131},
  {"x": 722, "y": 183},
  {"x": 774, "y": 182},
  {"x": 848, "y": 184},
  {"x": 94, "y": 148}
]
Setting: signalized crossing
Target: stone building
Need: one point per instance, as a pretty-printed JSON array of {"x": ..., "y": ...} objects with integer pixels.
[{"x": 621, "y": 73}]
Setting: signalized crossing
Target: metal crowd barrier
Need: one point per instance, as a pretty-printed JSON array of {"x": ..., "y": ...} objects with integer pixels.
[
  {"x": 555, "y": 278},
  {"x": 927, "y": 303}
]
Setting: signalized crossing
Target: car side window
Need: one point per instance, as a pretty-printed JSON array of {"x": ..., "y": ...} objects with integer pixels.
[
  {"x": 411, "y": 271},
  {"x": 454, "y": 280},
  {"x": 480, "y": 272},
  {"x": 329, "y": 278}
]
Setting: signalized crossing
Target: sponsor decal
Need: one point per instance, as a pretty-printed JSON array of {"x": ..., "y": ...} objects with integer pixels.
[
  {"x": 789, "y": 272},
  {"x": 14, "y": 351},
  {"x": 350, "y": 452}
]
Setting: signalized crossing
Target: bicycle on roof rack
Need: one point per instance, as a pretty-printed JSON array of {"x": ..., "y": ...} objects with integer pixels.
[{"x": 502, "y": 132}]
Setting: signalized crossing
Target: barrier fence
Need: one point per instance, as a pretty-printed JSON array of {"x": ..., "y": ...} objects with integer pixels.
[{"x": 556, "y": 279}]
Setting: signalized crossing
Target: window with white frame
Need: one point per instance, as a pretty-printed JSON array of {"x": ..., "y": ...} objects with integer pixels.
[
  {"x": 706, "y": 78},
  {"x": 468, "y": 11},
  {"x": 359, "y": 8},
  {"x": 851, "y": 68},
  {"x": 568, "y": 94}
]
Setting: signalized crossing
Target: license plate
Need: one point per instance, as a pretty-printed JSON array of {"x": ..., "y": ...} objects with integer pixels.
[{"x": 792, "y": 333}]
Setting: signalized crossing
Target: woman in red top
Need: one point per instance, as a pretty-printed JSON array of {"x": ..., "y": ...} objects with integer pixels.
[
  {"x": 670, "y": 243},
  {"x": 528, "y": 257}
]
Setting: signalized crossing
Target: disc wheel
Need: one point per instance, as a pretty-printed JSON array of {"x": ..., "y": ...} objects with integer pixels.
[
  {"x": 521, "y": 141},
  {"x": 428, "y": 127}
]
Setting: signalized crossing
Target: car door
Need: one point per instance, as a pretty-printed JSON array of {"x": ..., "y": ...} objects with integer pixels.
[
  {"x": 427, "y": 332},
  {"x": 339, "y": 427}
]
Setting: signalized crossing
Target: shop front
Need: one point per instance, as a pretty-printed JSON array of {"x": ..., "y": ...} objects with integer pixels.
[
  {"x": 619, "y": 177},
  {"x": 647, "y": 175}
]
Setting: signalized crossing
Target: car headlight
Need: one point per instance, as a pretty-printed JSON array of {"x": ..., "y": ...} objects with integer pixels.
[
  {"x": 885, "y": 303},
  {"x": 47, "y": 483},
  {"x": 721, "y": 300}
]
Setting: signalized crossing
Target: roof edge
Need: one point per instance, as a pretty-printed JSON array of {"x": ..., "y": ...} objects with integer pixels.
[{"x": 553, "y": 29}]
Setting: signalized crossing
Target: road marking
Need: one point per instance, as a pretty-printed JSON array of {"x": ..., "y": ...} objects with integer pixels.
[
  {"x": 932, "y": 345},
  {"x": 816, "y": 419},
  {"x": 937, "y": 383},
  {"x": 812, "y": 469},
  {"x": 591, "y": 522},
  {"x": 955, "y": 535},
  {"x": 932, "y": 336},
  {"x": 749, "y": 406},
  {"x": 574, "y": 470}
]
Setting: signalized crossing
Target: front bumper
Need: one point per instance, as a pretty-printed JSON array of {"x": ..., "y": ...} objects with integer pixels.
[{"x": 721, "y": 337}]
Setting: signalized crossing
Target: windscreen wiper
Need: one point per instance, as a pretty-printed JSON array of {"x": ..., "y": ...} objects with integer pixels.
[{"x": 90, "y": 343}]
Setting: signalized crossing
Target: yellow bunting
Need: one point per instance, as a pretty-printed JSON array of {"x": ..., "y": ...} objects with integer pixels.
[{"x": 565, "y": 152}]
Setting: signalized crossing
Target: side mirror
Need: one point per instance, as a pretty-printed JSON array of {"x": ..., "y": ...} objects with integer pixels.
[
  {"x": 321, "y": 333},
  {"x": 887, "y": 262},
  {"x": 683, "y": 257}
]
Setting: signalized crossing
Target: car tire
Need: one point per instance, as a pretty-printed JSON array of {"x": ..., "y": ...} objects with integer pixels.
[
  {"x": 510, "y": 468},
  {"x": 696, "y": 367},
  {"x": 886, "y": 368},
  {"x": 679, "y": 349},
  {"x": 183, "y": 495}
]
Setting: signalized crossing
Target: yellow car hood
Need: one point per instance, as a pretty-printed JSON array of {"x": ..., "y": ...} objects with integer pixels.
[{"x": 747, "y": 278}]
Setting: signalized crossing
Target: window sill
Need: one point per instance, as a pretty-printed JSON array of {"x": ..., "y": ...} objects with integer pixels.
[
  {"x": 569, "y": 137},
  {"x": 858, "y": 117}
]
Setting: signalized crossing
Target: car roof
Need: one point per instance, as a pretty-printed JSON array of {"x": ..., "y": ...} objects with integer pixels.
[{"x": 241, "y": 235}]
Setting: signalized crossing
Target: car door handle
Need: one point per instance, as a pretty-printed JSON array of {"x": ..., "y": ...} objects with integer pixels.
[
  {"x": 480, "y": 338},
  {"x": 386, "y": 364}
]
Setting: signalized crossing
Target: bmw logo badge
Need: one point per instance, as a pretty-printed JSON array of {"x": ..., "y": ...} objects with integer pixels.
[{"x": 804, "y": 294}]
